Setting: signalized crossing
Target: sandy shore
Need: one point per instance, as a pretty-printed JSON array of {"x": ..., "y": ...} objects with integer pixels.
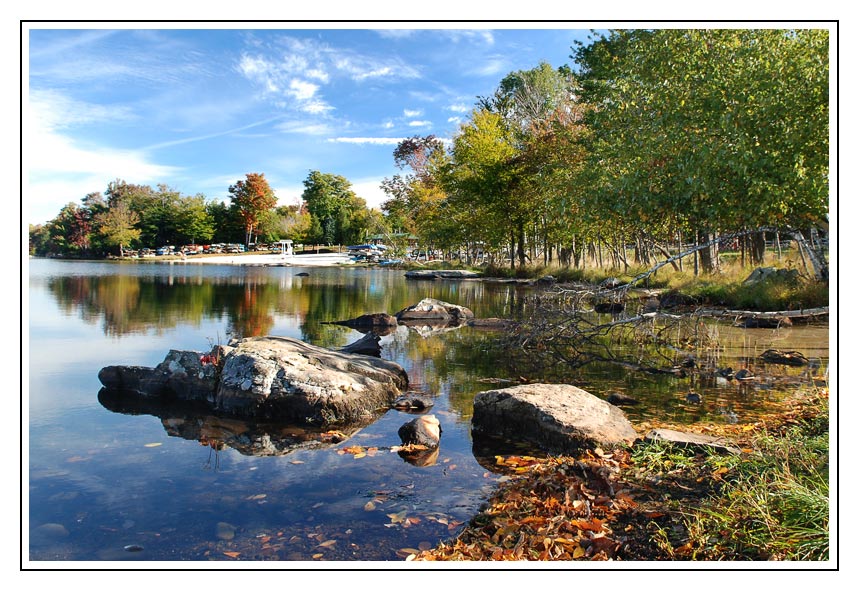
[{"x": 300, "y": 260}]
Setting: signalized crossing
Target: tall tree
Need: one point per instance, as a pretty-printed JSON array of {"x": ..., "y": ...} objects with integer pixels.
[
  {"x": 251, "y": 198},
  {"x": 327, "y": 197},
  {"x": 193, "y": 223},
  {"x": 117, "y": 226},
  {"x": 718, "y": 130}
]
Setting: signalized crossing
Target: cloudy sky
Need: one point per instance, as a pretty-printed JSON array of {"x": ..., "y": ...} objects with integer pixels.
[{"x": 197, "y": 109}]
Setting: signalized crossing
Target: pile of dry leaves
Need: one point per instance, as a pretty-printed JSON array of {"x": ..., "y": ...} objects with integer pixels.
[{"x": 554, "y": 509}]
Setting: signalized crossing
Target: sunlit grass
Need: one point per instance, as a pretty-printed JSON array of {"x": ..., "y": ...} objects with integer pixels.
[{"x": 773, "y": 503}]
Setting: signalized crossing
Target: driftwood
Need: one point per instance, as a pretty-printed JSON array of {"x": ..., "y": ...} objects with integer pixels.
[{"x": 749, "y": 317}]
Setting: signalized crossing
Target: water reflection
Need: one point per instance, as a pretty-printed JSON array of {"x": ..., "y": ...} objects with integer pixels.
[
  {"x": 248, "y": 437},
  {"x": 96, "y": 486}
]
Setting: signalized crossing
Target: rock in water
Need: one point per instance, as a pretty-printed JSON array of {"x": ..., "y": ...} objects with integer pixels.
[
  {"x": 436, "y": 311},
  {"x": 557, "y": 417},
  {"x": 269, "y": 377},
  {"x": 424, "y": 430}
]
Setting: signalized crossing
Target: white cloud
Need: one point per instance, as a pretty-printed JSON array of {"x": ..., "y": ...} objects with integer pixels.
[
  {"x": 371, "y": 191},
  {"x": 302, "y": 90},
  {"x": 288, "y": 194},
  {"x": 55, "y": 110},
  {"x": 304, "y": 127},
  {"x": 473, "y": 35},
  {"x": 318, "y": 74},
  {"x": 388, "y": 125},
  {"x": 493, "y": 66},
  {"x": 61, "y": 170},
  {"x": 420, "y": 123},
  {"x": 459, "y": 108},
  {"x": 456, "y": 120},
  {"x": 379, "y": 141},
  {"x": 316, "y": 107},
  {"x": 412, "y": 112},
  {"x": 396, "y": 33}
]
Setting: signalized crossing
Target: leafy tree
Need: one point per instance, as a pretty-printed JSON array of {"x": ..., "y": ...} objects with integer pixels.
[
  {"x": 252, "y": 198},
  {"x": 39, "y": 240},
  {"x": 484, "y": 177},
  {"x": 193, "y": 223},
  {"x": 329, "y": 199},
  {"x": 117, "y": 226},
  {"x": 715, "y": 130}
]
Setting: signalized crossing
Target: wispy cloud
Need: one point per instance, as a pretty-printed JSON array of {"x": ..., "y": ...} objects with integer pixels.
[
  {"x": 208, "y": 136},
  {"x": 412, "y": 112},
  {"x": 302, "y": 90},
  {"x": 482, "y": 36},
  {"x": 51, "y": 109},
  {"x": 61, "y": 169},
  {"x": 295, "y": 68},
  {"x": 459, "y": 108},
  {"x": 420, "y": 123},
  {"x": 397, "y": 33},
  {"x": 379, "y": 141},
  {"x": 493, "y": 66}
]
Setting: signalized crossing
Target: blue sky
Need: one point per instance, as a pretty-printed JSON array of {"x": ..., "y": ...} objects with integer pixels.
[{"x": 198, "y": 108}]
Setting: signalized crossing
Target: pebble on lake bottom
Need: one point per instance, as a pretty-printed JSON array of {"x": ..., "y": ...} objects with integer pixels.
[{"x": 225, "y": 531}]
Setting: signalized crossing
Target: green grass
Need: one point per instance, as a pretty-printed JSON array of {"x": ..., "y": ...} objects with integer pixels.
[{"x": 772, "y": 504}]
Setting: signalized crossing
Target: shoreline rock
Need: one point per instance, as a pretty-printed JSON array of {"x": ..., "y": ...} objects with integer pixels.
[
  {"x": 560, "y": 418},
  {"x": 269, "y": 377}
]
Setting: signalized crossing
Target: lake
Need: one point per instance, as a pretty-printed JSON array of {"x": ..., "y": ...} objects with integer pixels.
[{"x": 132, "y": 484}]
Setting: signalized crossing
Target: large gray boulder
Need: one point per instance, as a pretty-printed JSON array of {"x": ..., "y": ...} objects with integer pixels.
[
  {"x": 286, "y": 377},
  {"x": 557, "y": 417},
  {"x": 270, "y": 377}
]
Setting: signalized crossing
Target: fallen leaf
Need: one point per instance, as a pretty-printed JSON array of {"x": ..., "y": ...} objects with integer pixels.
[
  {"x": 397, "y": 517},
  {"x": 360, "y": 455},
  {"x": 370, "y": 506},
  {"x": 320, "y": 555},
  {"x": 152, "y": 445},
  {"x": 232, "y": 554},
  {"x": 256, "y": 497},
  {"x": 328, "y": 543},
  {"x": 296, "y": 462}
]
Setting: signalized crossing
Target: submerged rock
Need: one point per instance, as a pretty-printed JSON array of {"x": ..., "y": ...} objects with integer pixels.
[
  {"x": 369, "y": 321},
  {"x": 558, "y": 417},
  {"x": 794, "y": 358},
  {"x": 621, "y": 399}
]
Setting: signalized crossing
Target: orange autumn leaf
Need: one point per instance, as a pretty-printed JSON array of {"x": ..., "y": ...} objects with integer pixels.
[{"x": 232, "y": 554}]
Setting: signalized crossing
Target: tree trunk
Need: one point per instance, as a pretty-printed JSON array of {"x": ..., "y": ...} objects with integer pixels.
[
  {"x": 709, "y": 256},
  {"x": 758, "y": 248},
  {"x": 521, "y": 248}
]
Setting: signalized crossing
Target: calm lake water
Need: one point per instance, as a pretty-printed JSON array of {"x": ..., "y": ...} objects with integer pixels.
[{"x": 109, "y": 483}]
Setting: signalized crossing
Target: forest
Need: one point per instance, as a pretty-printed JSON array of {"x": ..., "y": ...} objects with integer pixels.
[{"x": 650, "y": 142}]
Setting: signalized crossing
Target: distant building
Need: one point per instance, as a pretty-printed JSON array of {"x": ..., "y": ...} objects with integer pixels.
[{"x": 411, "y": 239}]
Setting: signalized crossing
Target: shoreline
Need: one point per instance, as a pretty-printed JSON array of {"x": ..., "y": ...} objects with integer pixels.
[{"x": 280, "y": 260}]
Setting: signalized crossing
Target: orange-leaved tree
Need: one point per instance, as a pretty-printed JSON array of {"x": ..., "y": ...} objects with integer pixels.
[{"x": 252, "y": 198}]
